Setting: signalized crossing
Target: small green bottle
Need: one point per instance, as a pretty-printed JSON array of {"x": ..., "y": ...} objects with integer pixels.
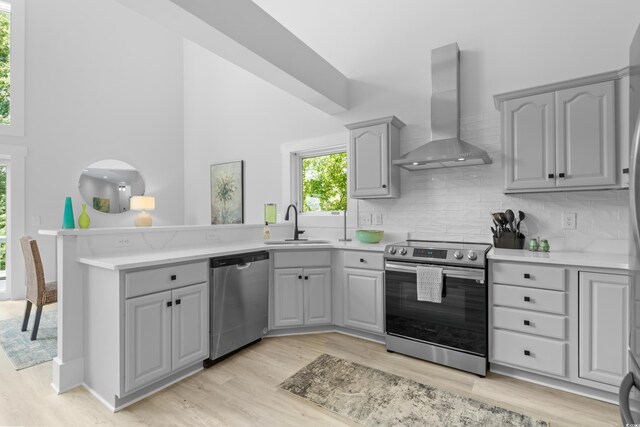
[{"x": 83, "y": 219}]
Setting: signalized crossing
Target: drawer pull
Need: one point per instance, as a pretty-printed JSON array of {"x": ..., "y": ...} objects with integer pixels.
[
  {"x": 527, "y": 353},
  {"x": 169, "y": 303},
  {"x": 527, "y": 323},
  {"x": 362, "y": 260},
  {"x": 174, "y": 277},
  {"x": 527, "y": 299},
  {"x": 527, "y": 276},
  {"x": 306, "y": 277},
  {"x": 299, "y": 277},
  {"x": 178, "y": 301}
]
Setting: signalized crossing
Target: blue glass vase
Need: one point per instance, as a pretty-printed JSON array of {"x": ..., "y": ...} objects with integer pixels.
[{"x": 67, "y": 218}]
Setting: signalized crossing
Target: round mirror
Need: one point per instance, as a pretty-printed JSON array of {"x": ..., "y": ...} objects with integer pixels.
[{"x": 108, "y": 185}]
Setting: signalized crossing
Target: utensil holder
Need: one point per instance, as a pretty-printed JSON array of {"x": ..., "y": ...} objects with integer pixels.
[{"x": 509, "y": 241}]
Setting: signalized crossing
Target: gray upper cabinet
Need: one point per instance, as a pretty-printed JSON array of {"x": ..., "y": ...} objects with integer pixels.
[
  {"x": 373, "y": 145},
  {"x": 562, "y": 137},
  {"x": 585, "y": 135},
  {"x": 530, "y": 141}
]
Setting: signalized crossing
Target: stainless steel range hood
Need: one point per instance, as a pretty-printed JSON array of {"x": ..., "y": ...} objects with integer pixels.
[{"x": 446, "y": 149}]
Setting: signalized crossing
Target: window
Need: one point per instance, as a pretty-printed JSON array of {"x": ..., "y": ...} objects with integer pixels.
[
  {"x": 321, "y": 180},
  {"x": 12, "y": 67}
]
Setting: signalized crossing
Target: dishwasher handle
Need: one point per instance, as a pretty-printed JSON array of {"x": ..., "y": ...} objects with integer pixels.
[
  {"x": 241, "y": 260},
  {"x": 243, "y": 266}
]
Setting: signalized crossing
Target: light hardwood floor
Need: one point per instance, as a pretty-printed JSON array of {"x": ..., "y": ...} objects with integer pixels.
[{"x": 242, "y": 390}]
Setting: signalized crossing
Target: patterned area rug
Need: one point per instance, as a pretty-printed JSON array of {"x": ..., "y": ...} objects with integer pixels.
[
  {"x": 17, "y": 345},
  {"x": 372, "y": 397}
]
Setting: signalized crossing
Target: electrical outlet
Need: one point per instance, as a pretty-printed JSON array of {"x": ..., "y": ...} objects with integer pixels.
[
  {"x": 365, "y": 219},
  {"x": 123, "y": 242},
  {"x": 212, "y": 235},
  {"x": 569, "y": 221},
  {"x": 377, "y": 219}
]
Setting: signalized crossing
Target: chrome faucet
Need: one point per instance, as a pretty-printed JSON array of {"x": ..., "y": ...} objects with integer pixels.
[{"x": 296, "y": 232}]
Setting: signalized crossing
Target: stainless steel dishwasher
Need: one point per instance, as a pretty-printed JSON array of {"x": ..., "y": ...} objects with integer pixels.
[{"x": 239, "y": 302}]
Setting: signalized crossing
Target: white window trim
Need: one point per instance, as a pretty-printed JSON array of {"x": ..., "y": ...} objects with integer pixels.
[
  {"x": 17, "y": 48},
  {"x": 296, "y": 175}
]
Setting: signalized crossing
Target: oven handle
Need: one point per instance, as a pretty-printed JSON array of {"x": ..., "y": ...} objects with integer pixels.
[{"x": 477, "y": 275}]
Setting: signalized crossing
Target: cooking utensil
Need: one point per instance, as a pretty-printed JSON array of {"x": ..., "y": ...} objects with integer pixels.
[
  {"x": 493, "y": 230},
  {"x": 510, "y": 219},
  {"x": 521, "y": 216}
]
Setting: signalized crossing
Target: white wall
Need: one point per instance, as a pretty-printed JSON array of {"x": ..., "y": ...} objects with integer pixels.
[
  {"x": 232, "y": 115},
  {"x": 102, "y": 82},
  {"x": 384, "y": 48}
]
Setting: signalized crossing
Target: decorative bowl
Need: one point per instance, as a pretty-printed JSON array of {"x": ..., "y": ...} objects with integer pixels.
[{"x": 369, "y": 236}]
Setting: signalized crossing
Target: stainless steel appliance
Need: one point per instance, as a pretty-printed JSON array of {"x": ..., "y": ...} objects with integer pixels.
[
  {"x": 239, "y": 302},
  {"x": 453, "y": 332},
  {"x": 630, "y": 410}
]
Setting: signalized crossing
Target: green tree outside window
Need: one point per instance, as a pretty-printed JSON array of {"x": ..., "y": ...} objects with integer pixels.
[
  {"x": 324, "y": 183},
  {"x": 5, "y": 101}
]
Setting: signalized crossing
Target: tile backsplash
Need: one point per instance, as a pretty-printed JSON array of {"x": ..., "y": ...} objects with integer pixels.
[{"x": 454, "y": 204}]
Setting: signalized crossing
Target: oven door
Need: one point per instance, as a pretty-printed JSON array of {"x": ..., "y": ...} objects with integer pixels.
[{"x": 459, "y": 322}]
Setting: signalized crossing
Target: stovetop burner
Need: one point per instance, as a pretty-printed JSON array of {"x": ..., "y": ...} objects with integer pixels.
[{"x": 439, "y": 252}]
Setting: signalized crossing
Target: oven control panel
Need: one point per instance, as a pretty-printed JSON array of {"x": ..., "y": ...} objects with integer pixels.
[{"x": 465, "y": 256}]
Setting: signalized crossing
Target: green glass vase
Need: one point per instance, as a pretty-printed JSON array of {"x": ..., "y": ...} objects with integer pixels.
[
  {"x": 83, "y": 219},
  {"x": 67, "y": 218}
]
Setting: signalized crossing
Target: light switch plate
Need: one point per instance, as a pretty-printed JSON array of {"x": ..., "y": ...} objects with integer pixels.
[
  {"x": 569, "y": 221},
  {"x": 377, "y": 219}
]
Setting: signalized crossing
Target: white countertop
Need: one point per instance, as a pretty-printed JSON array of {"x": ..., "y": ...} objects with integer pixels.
[
  {"x": 579, "y": 259},
  {"x": 125, "y": 261}
]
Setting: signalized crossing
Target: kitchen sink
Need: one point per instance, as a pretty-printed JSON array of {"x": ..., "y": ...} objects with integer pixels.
[{"x": 296, "y": 242}]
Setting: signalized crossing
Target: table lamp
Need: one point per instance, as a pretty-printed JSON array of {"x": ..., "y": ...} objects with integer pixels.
[{"x": 143, "y": 204}]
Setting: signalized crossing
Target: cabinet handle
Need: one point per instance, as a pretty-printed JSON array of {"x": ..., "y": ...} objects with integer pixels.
[
  {"x": 551, "y": 175},
  {"x": 527, "y": 276},
  {"x": 169, "y": 303},
  {"x": 384, "y": 185},
  {"x": 625, "y": 170},
  {"x": 527, "y": 299},
  {"x": 561, "y": 175},
  {"x": 527, "y": 353},
  {"x": 306, "y": 277},
  {"x": 299, "y": 277},
  {"x": 174, "y": 277},
  {"x": 178, "y": 301},
  {"x": 362, "y": 260},
  {"x": 527, "y": 323}
]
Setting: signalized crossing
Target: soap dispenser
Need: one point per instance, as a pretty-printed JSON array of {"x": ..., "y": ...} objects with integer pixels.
[{"x": 266, "y": 233}]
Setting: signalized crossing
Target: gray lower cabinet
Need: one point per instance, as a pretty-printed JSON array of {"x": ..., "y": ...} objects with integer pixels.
[
  {"x": 302, "y": 296},
  {"x": 603, "y": 326},
  {"x": 165, "y": 332},
  {"x": 363, "y": 299}
]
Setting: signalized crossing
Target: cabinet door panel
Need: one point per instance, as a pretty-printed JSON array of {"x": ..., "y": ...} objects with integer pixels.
[
  {"x": 190, "y": 325},
  {"x": 585, "y": 135},
  {"x": 288, "y": 303},
  {"x": 363, "y": 307},
  {"x": 317, "y": 296},
  {"x": 369, "y": 161},
  {"x": 147, "y": 339},
  {"x": 603, "y": 327},
  {"x": 529, "y": 142}
]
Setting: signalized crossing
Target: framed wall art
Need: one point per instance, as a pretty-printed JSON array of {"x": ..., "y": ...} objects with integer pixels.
[{"x": 227, "y": 193}]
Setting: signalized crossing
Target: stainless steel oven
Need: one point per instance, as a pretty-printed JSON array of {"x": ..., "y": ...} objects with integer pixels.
[{"x": 453, "y": 332}]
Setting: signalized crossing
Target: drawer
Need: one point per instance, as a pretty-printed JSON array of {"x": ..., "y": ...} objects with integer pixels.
[
  {"x": 530, "y": 275},
  {"x": 165, "y": 278},
  {"x": 364, "y": 260},
  {"x": 526, "y": 351},
  {"x": 546, "y": 325},
  {"x": 295, "y": 259},
  {"x": 529, "y": 298}
]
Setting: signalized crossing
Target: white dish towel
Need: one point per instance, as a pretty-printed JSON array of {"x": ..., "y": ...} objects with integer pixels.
[{"x": 429, "y": 284}]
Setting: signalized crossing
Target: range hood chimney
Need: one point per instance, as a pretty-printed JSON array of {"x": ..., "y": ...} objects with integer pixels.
[{"x": 445, "y": 149}]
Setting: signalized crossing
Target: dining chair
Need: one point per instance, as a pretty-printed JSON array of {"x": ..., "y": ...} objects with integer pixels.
[{"x": 39, "y": 292}]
